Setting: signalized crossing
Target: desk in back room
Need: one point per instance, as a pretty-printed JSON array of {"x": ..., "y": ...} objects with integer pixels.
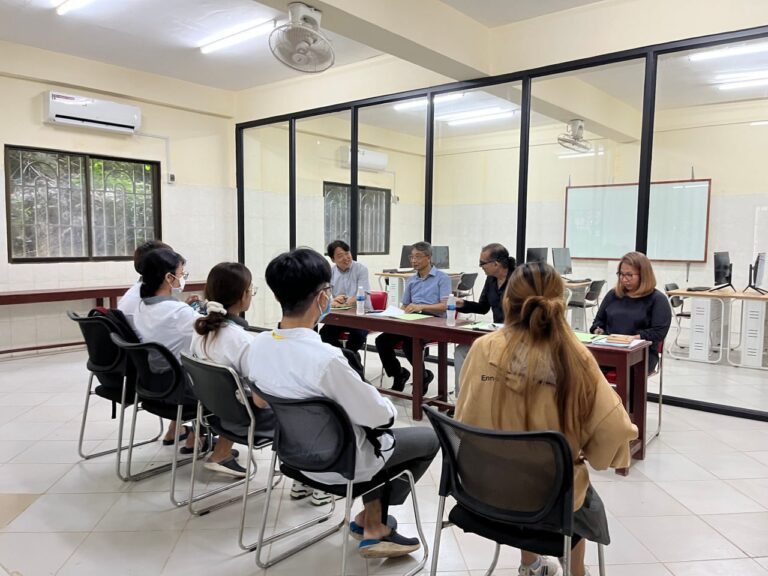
[
  {"x": 711, "y": 333},
  {"x": 434, "y": 330}
]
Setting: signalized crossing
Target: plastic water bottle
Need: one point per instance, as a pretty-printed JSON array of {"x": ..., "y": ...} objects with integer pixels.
[
  {"x": 450, "y": 313},
  {"x": 360, "y": 300}
]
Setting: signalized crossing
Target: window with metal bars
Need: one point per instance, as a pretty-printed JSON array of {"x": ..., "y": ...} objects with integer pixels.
[
  {"x": 62, "y": 206},
  {"x": 374, "y": 216}
]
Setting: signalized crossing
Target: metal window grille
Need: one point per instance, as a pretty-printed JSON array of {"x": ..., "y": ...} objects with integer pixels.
[
  {"x": 374, "y": 216},
  {"x": 72, "y": 206}
]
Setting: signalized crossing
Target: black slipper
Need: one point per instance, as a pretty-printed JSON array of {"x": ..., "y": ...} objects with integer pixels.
[{"x": 182, "y": 436}]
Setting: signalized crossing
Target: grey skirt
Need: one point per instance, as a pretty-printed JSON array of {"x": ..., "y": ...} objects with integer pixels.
[{"x": 590, "y": 521}]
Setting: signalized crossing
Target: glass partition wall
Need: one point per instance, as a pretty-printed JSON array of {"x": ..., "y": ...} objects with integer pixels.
[
  {"x": 390, "y": 176},
  {"x": 711, "y": 124},
  {"x": 476, "y": 171},
  {"x": 265, "y": 211},
  {"x": 612, "y": 149},
  {"x": 584, "y": 138}
]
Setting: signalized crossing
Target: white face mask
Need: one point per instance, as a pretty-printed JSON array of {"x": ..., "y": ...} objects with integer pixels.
[{"x": 176, "y": 291}]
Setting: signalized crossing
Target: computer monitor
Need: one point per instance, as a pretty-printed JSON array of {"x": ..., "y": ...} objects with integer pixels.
[
  {"x": 722, "y": 268},
  {"x": 440, "y": 257},
  {"x": 561, "y": 260},
  {"x": 759, "y": 270},
  {"x": 536, "y": 255},
  {"x": 405, "y": 256}
]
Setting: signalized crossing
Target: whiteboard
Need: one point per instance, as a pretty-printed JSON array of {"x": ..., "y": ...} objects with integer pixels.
[{"x": 601, "y": 221}]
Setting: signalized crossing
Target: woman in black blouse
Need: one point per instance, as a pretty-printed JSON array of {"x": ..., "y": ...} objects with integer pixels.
[{"x": 634, "y": 307}]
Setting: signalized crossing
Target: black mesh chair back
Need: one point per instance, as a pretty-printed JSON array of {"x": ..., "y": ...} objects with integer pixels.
[
  {"x": 467, "y": 282},
  {"x": 105, "y": 359},
  {"x": 520, "y": 478},
  {"x": 160, "y": 377},
  {"x": 313, "y": 435},
  {"x": 595, "y": 288},
  {"x": 675, "y": 301},
  {"x": 216, "y": 386}
]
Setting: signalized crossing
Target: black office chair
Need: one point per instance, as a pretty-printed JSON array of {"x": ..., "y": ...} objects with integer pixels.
[
  {"x": 217, "y": 388},
  {"x": 589, "y": 301},
  {"x": 109, "y": 364},
  {"x": 466, "y": 285},
  {"x": 316, "y": 435},
  {"x": 161, "y": 387},
  {"x": 515, "y": 488},
  {"x": 679, "y": 315}
]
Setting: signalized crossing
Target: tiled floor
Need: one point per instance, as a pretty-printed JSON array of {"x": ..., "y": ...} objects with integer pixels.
[{"x": 698, "y": 504}]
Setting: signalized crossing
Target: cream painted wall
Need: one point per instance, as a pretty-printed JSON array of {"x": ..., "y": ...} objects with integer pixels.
[
  {"x": 198, "y": 211},
  {"x": 614, "y": 25}
]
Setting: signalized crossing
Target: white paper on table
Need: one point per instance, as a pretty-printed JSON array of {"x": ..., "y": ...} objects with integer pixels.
[{"x": 390, "y": 312}]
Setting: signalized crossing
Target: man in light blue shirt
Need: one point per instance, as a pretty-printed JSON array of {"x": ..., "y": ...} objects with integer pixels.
[
  {"x": 346, "y": 277},
  {"x": 425, "y": 292}
]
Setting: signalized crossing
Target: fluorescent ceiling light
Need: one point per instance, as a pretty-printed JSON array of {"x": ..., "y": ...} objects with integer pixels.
[
  {"x": 759, "y": 123},
  {"x": 232, "y": 37},
  {"x": 728, "y": 52},
  {"x": 477, "y": 112},
  {"x": 478, "y": 119},
  {"x": 581, "y": 154},
  {"x": 422, "y": 102},
  {"x": 741, "y": 76},
  {"x": 69, "y": 5},
  {"x": 744, "y": 84}
]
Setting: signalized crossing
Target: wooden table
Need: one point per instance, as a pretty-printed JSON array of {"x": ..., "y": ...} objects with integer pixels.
[
  {"x": 626, "y": 362},
  {"x": 97, "y": 293},
  {"x": 623, "y": 360}
]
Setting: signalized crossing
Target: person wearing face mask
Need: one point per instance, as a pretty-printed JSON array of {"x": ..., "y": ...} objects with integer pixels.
[
  {"x": 301, "y": 283},
  {"x": 634, "y": 307},
  {"x": 162, "y": 318}
]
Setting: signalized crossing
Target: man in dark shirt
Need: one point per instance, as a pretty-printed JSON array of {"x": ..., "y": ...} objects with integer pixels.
[{"x": 498, "y": 265}]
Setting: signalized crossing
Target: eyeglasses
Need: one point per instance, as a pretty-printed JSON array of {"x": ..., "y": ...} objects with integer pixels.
[
  {"x": 324, "y": 289},
  {"x": 184, "y": 275},
  {"x": 416, "y": 257},
  {"x": 253, "y": 290},
  {"x": 484, "y": 262},
  {"x": 627, "y": 275}
]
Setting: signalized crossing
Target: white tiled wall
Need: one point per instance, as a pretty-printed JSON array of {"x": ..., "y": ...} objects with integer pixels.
[{"x": 199, "y": 222}]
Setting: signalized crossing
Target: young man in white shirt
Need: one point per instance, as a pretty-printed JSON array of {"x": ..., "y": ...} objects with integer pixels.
[{"x": 292, "y": 362}]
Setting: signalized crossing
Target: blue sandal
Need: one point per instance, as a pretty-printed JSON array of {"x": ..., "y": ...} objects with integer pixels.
[
  {"x": 390, "y": 546},
  {"x": 357, "y": 530}
]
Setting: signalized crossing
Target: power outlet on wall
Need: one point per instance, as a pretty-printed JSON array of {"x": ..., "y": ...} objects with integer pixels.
[{"x": 171, "y": 178}]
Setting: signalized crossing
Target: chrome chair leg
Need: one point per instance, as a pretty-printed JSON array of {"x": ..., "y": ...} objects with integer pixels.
[
  {"x": 81, "y": 439},
  {"x": 567, "y": 555},
  {"x": 494, "y": 561},
  {"x": 601, "y": 559},
  {"x": 438, "y": 536}
]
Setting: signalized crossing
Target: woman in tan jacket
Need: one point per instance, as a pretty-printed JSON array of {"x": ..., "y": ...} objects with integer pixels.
[{"x": 534, "y": 374}]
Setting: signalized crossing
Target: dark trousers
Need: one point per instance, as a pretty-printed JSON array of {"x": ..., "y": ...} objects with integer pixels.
[
  {"x": 416, "y": 448},
  {"x": 330, "y": 335},
  {"x": 385, "y": 344}
]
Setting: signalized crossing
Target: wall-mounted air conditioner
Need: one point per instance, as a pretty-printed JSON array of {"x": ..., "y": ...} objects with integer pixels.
[
  {"x": 368, "y": 160},
  {"x": 91, "y": 113}
]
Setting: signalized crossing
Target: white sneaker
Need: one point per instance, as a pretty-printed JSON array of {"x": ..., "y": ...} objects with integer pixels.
[
  {"x": 299, "y": 490},
  {"x": 548, "y": 566},
  {"x": 320, "y": 498}
]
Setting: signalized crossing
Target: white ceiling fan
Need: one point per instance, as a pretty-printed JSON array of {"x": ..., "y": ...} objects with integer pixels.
[{"x": 299, "y": 44}]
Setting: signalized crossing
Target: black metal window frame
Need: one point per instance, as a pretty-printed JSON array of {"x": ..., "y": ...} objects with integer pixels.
[
  {"x": 387, "y": 215},
  {"x": 87, "y": 158},
  {"x": 649, "y": 54}
]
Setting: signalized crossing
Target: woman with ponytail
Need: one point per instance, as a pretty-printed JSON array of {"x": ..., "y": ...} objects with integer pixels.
[
  {"x": 220, "y": 337},
  {"x": 534, "y": 374}
]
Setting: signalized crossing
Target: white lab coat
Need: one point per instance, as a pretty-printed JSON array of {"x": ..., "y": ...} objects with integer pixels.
[{"x": 297, "y": 364}]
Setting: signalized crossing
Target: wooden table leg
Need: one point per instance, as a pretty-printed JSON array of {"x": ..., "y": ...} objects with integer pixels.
[
  {"x": 417, "y": 361},
  {"x": 622, "y": 389},
  {"x": 442, "y": 372},
  {"x": 639, "y": 398}
]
